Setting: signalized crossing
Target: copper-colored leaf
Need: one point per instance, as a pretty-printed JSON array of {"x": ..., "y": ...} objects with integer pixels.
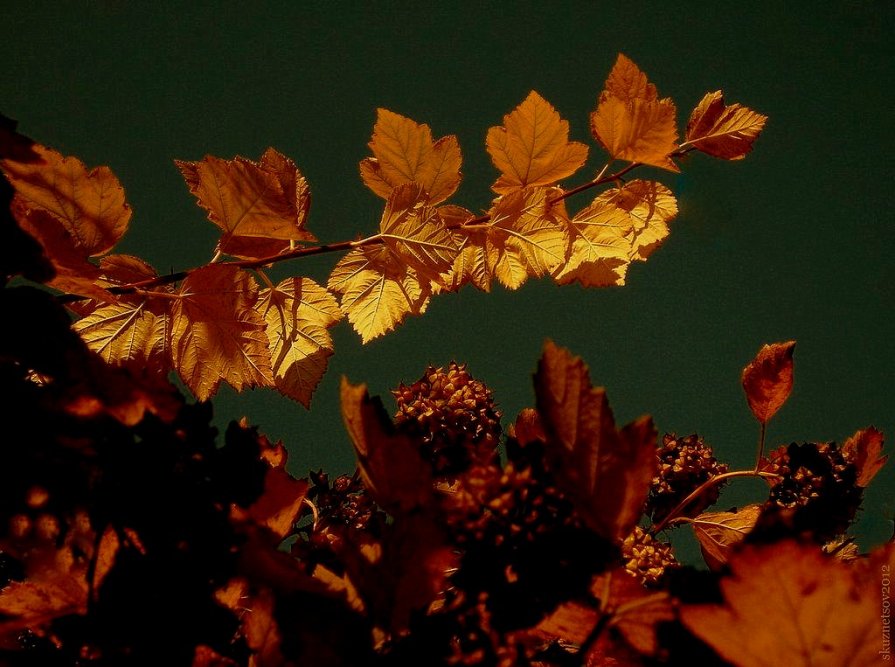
[
  {"x": 279, "y": 505},
  {"x": 528, "y": 427},
  {"x": 768, "y": 379},
  {"x": 631, "y": 122},
  {"x": 130, "y": 333},
  {"x": 723, "y": 131},
  {"x": 606, "y": 472},
  {"x": 650, "y": 206},
  {"x": 864, "y": 451},
  {"x": 787, "y": 604},
  {"x": 404, "y": 152},
  {"x": 216, "y": 334},
  {"x": 90, "y": 205},
  {"x": 298, "y": 312},
  {"x": 259, "y": 206},
  {"x": 377, "y": 290},
  {"x": 719, "y": 532},
  {"x": 392, "y": 468},
  {"x": 532, "y": 147},
  {"x": 600, "y": 248}
]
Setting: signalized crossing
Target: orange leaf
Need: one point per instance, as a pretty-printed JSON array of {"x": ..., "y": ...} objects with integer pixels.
[
  {"x": 278, "y": 506},
  {"x": 532, "y": 147},
  {"x": 216, "y": 334},
  {"x": 864, "y": 450},
  {"x": 390, "y": 464},
  {"x": 600, "y": 248},
  {"x": 631, "y": 122},
  {"x": 90, "y": 205},
  {"x": 768, "y": 379},
  {"x": 723, "y": 131},
  {"x": 606, "y": 472},
  {"x": 260, "y": 206},
  {"x": 133, "y": 334},
  {"x": 650, "y": 206},
  {"x": 787, "y": 604},
  {"x": 404, "y": 152},
  {"x": 719, "y": 532},
  {"x": 298, "y": 312}
]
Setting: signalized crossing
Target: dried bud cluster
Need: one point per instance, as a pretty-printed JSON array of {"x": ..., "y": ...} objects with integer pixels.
[
  {"x": 683, "y": 465},
  {"x": 454, "y": 416},
  {"x": 647, "y": 558}
]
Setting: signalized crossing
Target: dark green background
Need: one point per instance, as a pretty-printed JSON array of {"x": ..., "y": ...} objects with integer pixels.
[{"x": 795, "y": 242}]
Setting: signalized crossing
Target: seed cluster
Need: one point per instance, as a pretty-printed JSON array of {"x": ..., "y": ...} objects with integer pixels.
[{"x": 683, "y": 464}]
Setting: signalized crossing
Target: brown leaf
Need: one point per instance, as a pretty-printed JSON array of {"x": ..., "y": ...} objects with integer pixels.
[
  {"x": 280, "y": 503},
  {"x": 216, "y": 334},
  {"x": 787, "y": 604},
  {"x": 390, "y": 464},
  {"x": 404, "y": 152},
  {"x": 631, "y": 122},
  {"x": 864, "y": 450},
  {"x": 298, "y": 312},
  {"x": 528, "y": 427},
  {"x": 532, "y": 147},
  {"x": 768, "y": 379},
  {"x": 260, "y": 206},
  {"x": 719, "y": 532},
  {"x": 723, "y": 131},
  {"x": 606, "y": 472}
]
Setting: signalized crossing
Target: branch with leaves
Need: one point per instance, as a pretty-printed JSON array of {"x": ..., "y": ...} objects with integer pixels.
[{"x": 226, "y": 321}]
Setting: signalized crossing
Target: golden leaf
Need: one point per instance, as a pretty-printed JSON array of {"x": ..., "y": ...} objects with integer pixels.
[
  {"x": 377, "y": 290},
  {"x": 651, "y": 206},
  {"x": 631, "y": 122},
  {"x": 532, "y": 147},
  {"x": 298, "y": 312},
  {"x": 864, "y": 450},
  {"x": 216, "y": 334},
  {"x": 600, "y": 247},
  {"x": 90, "y": 205},
  {"x": 768, "y": 378},
  {"x": 719, "y": 532},
  {"x": 606, "y": 472},
  {"x": 415, "y": 233},
  {"x": 132, "y": 333},
  {"x": 260, "y": 206},
  {"x": 787, "y": 604},
  {"x": 726, "y": 132},
  {"x": 404, "y": 152}
]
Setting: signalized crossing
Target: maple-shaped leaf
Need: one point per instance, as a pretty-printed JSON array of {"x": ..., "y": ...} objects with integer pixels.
[
  {"x": 390, "y": 463},
  {"x": 532, "y": 147},
  {"x": 651, "y": 206},
  {"x": 377, "y": 290},
  {"x": 298, "y": 312},
  {"x": 403, "y": 152},
  {"x": 864, "y": 451},
  {"x": 260, "y": 206},
  {"x": 601, "y": 247},
  {"x": 631, "y": 122},
  {"x": 768, "y": 378},
  {"x": 723, "y": 131},
  {"x": 719, "y": 532},
  {"x": 216, "y": 334},
  {"x": 788, "y": 604},
  {"x": 415, "y": 233},
  {"x": 606, "y": 472},
  {"x": 469, "y": 265},
  {"x": 89, "y": 205}
]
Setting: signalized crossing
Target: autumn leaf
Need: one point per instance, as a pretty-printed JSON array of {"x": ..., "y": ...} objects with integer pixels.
[
  {"x": 650, "y": 206},
  {"x": 601, "y": 247},
  {"x": 415, "y": 233},
  {"x": 864, "y": 451},
  {"x": 298, "y": 312},
  {"x": 631, "y": 122},
  {"x": 606, "y": 472},
  {"x": 723, "y": 131},
  {"x": 403, "y": 152},
  {"x": 216, "y": 334},
  {"x": 719, "y": 532},
  {"x": 390, "y": 464},
  {"x": 787, "y": 604},
  {"x": 259, "y": 206},
  {"x": 377, "y": 290},
  {"x": 768, "y": 378},
  {"x": 532, "y": 147}
]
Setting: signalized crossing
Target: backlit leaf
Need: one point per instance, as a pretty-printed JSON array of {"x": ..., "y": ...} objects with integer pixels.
[
  {"x": 403, "y": 152},
  {"x": 606, "y": 472},
  {"x": 259, "y": 206},
  {"x": 216, "y": 334},
  {"x": 298, "y": 312},
  {"x": 631, "y": 122},
  {"x": 131, "y": 333},
  {"x": 651, "y": 206},
  {"x": 864, "y": 450},
  {"x": 723, "y": 131},
  {"x": 600, "y": 247},
  {"x": 532, "y": 147},
  {"x": 718, "y": 532},
  {"x": 768, "y": 379},
  {"x": 788, "y": 604}
]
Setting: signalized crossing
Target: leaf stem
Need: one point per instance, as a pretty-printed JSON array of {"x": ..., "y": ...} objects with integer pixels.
[{"x": 764, "y": 426}]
